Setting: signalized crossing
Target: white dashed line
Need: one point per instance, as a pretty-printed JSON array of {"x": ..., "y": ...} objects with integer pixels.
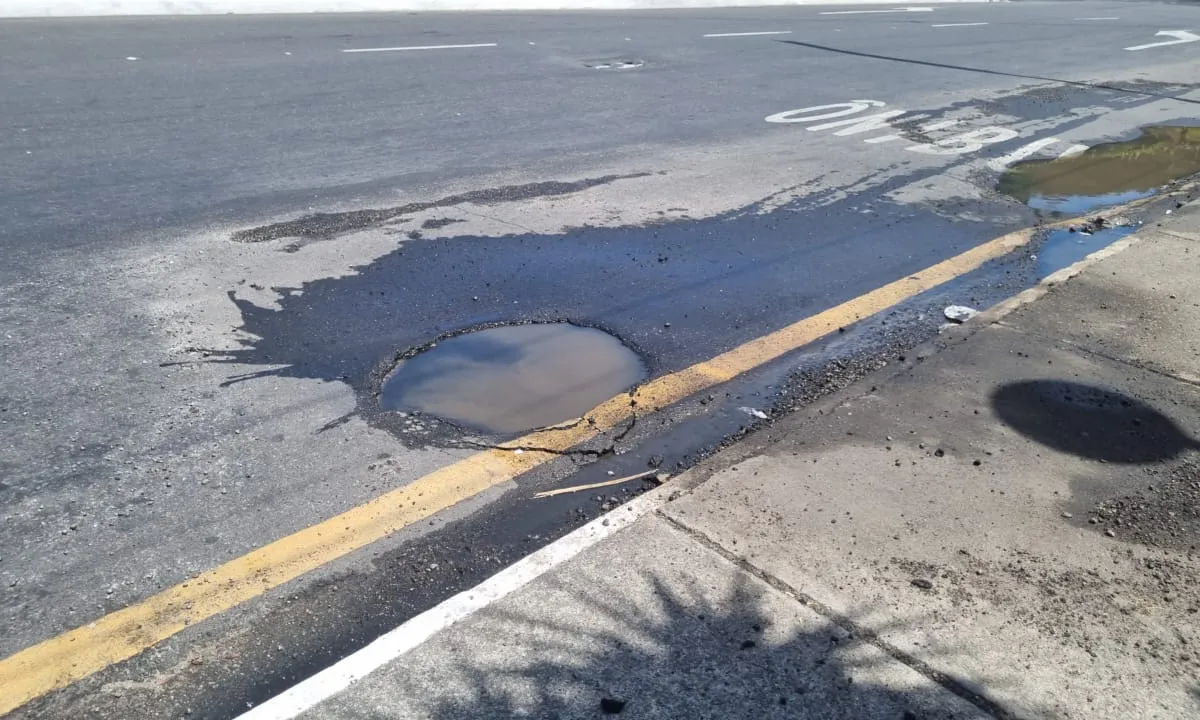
[
  {"x": 419, "y": 47},
  {"x": 875, "y": 12},
  {"x": 958, "y": 25},
  {"x": 749, "y": 34},
  {"x": 406, "y": 637},
  {"x": 1099, "y": 18}
]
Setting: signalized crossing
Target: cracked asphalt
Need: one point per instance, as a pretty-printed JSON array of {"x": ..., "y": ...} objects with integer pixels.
[{"x": 216, "y": 252}]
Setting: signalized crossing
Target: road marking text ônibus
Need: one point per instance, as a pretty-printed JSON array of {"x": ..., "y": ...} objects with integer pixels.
[{"x": 846, "y": 119}]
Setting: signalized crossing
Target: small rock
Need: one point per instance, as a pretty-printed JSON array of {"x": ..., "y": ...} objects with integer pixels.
[
  {"x": 1109, "y": 532},
  {"x": 747, "y": 644},
  {"x": 922, "y": 583},
  {"x": 1068, "y": 515},
  {"x": 655, "y": 461},
  {"x": 611, "y": 706},
  {"x": 959, "y": 313}
]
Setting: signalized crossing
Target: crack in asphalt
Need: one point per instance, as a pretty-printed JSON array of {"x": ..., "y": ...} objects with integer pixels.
[
  {"x": 322, "y": 226},
  {"x": 609, "y": 449},
  {"x": 987, "y": 71}
]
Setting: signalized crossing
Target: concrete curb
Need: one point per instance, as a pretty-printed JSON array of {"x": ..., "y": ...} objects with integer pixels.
[{"x": 87, "y": 8}]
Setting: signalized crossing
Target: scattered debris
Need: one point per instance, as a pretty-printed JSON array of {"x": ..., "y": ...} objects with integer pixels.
[
  {"x": 922, "y": 583},
  {"x": 959, "y": 313},
  {"x": 755, "y": 413}
]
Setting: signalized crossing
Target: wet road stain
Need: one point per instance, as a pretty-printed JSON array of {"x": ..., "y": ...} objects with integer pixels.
[
  {"x": 514, "y": 378},
  {"x": 1065, "y": 247},
  {"x": 676, "y": 292},
  {"x": 1108, "y": 174}
]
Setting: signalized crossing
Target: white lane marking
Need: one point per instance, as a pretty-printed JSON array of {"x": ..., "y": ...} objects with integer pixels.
[
  {"x": 419, "y": 47},
  {"x": 1002, "y": 162},
  {"x": 848, "y": 108},
  {"x": 1181, "y": 36},
  {"x": 958, "y": 25},
  {"x": 416, "y": 631},
  {"x": 961, "y": 144},
  {"x": 1099, "y": 18},
  {"x": 1072, "y": 151},
  {"x": 875, "y": 12},
  {"x": 749, "y": 34}
]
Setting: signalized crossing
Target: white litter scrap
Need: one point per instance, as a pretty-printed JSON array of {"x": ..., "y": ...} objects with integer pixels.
[
  {"x": 755, "y": 413},
  {"x": 959, "y": 313}
]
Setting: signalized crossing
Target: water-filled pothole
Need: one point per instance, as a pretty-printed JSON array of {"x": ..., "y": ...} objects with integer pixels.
[
  {"x": 514, "y": 378},
  {"x": 1108, "y": 174}
]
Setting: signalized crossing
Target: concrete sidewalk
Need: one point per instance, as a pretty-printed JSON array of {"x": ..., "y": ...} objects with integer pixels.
[{"x": 1004, "y": 527}]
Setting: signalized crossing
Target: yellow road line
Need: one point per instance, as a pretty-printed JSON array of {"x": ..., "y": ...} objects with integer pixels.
[{"x": 62, "y": 660}]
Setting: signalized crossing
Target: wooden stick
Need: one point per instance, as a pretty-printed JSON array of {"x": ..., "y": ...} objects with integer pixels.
[{"x": 592, "y": 486}]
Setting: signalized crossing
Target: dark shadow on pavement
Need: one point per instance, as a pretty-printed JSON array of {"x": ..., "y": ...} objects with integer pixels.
[
  {"x": 753, "y": 654},
  {"x": 1090, "y": 422}
]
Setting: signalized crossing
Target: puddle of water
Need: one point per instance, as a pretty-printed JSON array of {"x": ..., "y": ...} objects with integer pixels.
[
  {"x": 1063, "y": 247},
  {"x": 1108, "y": 174},
  {"x": 514, "y": 378}
]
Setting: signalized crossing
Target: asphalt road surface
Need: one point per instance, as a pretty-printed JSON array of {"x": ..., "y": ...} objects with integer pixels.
[{"x": 219, "y": 233}]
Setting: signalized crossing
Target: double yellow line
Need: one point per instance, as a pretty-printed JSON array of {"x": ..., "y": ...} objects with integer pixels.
[{"x": 62, "y": 660}]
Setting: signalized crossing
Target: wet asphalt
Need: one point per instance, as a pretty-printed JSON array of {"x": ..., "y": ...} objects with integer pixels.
[{"x": 236, "y": 165}]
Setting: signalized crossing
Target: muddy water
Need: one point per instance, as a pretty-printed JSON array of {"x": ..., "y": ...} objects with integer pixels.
[
  {"x": 1106, "y": 175},
  {"x": 515, "y": 378}
]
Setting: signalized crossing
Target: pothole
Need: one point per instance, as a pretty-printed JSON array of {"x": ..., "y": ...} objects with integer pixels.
[
  {"x": 615, "y": 64},
  {"x": 514, "y": 378},
  {"x": 1106, "y": 175}
]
